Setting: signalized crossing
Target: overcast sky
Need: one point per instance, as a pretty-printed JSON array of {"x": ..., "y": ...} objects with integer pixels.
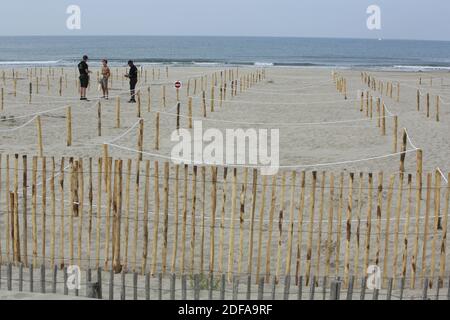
[{"x": 400, "y": 19}]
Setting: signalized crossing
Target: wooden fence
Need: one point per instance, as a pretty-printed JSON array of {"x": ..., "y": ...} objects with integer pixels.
[
  {"x": 152, "y": 217},
  {"x": 100, "y": 284}
]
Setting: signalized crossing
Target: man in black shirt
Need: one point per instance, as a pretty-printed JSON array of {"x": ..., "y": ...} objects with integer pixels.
[
  {"x": 133, "y": 76},
  {"x": 83, "y": 68}
]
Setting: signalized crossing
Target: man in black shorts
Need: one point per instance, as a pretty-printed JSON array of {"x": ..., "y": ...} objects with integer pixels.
[
  {"x": 133, "y": 76},
  {"x": 83, "y": 68}
]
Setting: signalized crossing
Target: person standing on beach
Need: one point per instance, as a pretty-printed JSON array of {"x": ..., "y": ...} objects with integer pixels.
[
  {"x": 106, "y": 73},
  {"x": 133, "y": 76},
  {"x": 83, "y": 68}
]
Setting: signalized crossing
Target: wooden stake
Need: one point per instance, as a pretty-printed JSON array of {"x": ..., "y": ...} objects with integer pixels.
[
  {"x": 397, "y": 225},
  {"x": 291, "y": 224},
  {"x": 406, "y": 228},
  {"x": 155, "y": 218},
  {"x": 348, "y": 230},
  {"x": 39, "y": 136},
  {"x": 379, "y": 211},
  {"x": 136, "y": 215},
  {"x": 436, "y": 222},
  {"x": 166, "y": 216},
  {"x": 157, "y": 131},
  {"x": 395, "y": 135},
  {"x": 62, "y": 211},
  {"x": 426, "y": 228},
  {"x": 118, "y": 112},
  {"x": 311, "y": 225},
  {"x": 232, "y": 225},
  {"x": 140, "y": 142},
  {"x": 145, "y": 226},
  {"x": 193, "y": 220},
  {"x": 280, "y": 226},
  {"x": 53, "y": 213},
  {"x": 99, "y": 119},
  {"x": 69, "y": 126},
  {"x": 437, "y": 108},
  {"x": 176, "y": 212},
  {"x": 190, "y": 112},
  {"x": 444, "y": 235},
  {"x": 261, "y": 220},
  {"x": 269, "y": 236}
]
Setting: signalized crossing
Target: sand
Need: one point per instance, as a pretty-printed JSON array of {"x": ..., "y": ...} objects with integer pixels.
[{"x": 287, "y": 96}]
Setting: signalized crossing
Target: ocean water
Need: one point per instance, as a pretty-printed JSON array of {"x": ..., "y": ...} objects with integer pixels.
[{"x": 258, "y": 51}]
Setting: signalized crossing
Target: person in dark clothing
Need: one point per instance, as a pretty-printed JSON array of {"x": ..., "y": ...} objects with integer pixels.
[
  {"x": 83, "y": 68},
  {"x": 133, "y": 76}
]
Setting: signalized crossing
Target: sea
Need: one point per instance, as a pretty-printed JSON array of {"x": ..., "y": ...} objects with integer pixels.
[{"x": 406, "y": 55}]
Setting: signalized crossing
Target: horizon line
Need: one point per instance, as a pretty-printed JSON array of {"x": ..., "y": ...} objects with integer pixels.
[{"x": 229, "y": 36}]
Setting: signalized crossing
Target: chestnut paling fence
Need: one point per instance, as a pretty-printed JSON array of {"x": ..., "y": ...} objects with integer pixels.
[{"x": 150, "y": 218}]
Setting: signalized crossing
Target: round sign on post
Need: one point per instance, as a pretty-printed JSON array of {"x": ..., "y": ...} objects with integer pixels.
[{"x": 178, "y": 86}]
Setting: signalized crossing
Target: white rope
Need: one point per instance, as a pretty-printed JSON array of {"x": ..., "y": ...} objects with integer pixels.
[
  {"x": 19, "y": 127},
  {"x": 286, "y": 124},
  {"x": 263, "y": 167},
  {"x": 126, "y": 132},
  {"x": 277, "y": 103},
  {"x": 443, "y": 176},
  {"x": 410, "y": 140}
]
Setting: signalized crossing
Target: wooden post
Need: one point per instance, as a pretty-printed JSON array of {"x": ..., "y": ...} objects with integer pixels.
[
  {"x": 190, "y": 112},
  {"x": 24, "y": 201},
  {"x": 2, "y": 98},
  {"x": 155, "y": 218},
  {"x": 213, "y": 89},
  {"x": 339, "y": 224},
  {"x": 183, "y": 228},
  {"x": 39, "y": 136},
  {"x": 379, "y": 212},
  {"x": 140, "y": 142},
  {"x": 403, "y": 150},
  {"x": 348, "y": 230},
  {"x": 204, "y": 103},
  {"x": 418, "y": 100},
  {"x": 177, "y": 218},
  {"x": 291, "y": 224},
  {"x": 166, "y": 216},
  {"x": 31, "y": 92},
  {"x": 426, "y": 227},
  {"x": 62, "y": 211},
  {"x": 44, "y": 209},
  {"x": 280, "y": 227},
  {"x": 437, "y": 108},
  {"x": 419, "y": 170},
  {"x": 436, "y": 222},
  {"x": 300, "y": 226},
  {"x": 312, "y": 206},
  {"x": 330, "y": 226},
  {"x": 138, "y": 105},
  {"x": 117, "y": 212},
  {"x": 164, "y": 96},
  {"x": 53, "y": 213},
  {"x": 428, "y": 105},
  {"x": 193, "y": 218},
  {"x": 261, "y": 217},
  {"x": 444, "y": 235},
  {"x": 414, "y": 256},
  {"x": 136, "y": 216},
  {"x": 69, "y": 126},
  {"x": 145, "y": 221},
  {"x": 395, "y": 135},
  {"x": 178, "y": 115},
  {"x": 271, "y": 217},
  {"x": 99, "y": 119},
  {"x": 213, "y": 219},
  {"x": 232, "y": 225},
  {"x": 406, "y": 228},
  {"x": 398, "y": 91},
  {"x": 118, "y": 112},
  {"x": 397, "y": 224},
  {"x": 157, "y": 131},
  {"x": 383, "y": 120}
]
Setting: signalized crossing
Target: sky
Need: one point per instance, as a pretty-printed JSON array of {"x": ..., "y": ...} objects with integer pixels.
[{"x": 400, "y": 19}]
